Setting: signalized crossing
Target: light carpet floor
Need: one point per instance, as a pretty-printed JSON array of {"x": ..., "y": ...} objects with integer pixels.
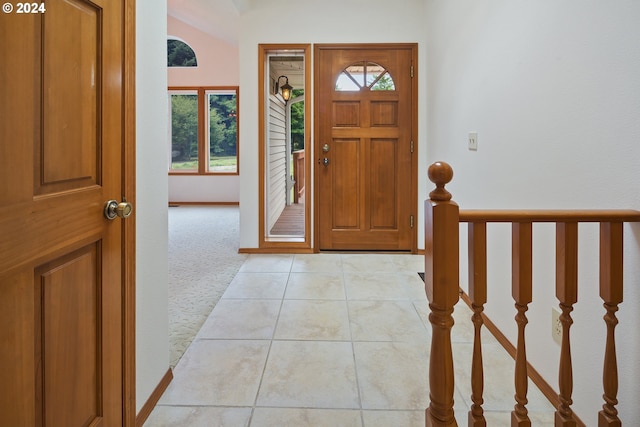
[{"x": 203, "y": 259}]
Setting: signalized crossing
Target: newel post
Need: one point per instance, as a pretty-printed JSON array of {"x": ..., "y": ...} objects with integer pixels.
[{"x": 442, "y": 289}]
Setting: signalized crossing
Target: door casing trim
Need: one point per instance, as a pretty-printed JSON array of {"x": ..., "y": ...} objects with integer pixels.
[
  {"x": 129, "y": 226},
  {"x": 264, "y": 244}
]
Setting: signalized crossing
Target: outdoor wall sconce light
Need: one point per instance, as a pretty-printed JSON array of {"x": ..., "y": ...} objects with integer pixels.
[{"x": 286, "y": 89}]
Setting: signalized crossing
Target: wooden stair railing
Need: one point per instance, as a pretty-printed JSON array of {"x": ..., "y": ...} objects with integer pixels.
[
  {"x": 298, "y": 175},
  {"x": 442, "y": 218}
]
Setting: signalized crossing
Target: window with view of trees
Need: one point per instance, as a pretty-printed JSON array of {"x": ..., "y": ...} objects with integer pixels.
[
  {"x": 180, "y": 54},
  {"x": 204, "y": 130}
]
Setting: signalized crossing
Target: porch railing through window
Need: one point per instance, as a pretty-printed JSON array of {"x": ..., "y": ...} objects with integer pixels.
[
  {"x": 298, "y": 176},
  {"x": 442, "y": 219}
]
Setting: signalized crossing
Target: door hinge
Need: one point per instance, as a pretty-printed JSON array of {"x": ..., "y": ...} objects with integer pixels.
[
  {"x": 412, "y": 146},
  {"x": 411, "y": 220},
  {"x": 412, "y": 71}
]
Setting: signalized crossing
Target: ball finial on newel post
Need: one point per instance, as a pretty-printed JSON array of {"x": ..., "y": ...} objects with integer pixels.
[{"x": 440, "y": 173}]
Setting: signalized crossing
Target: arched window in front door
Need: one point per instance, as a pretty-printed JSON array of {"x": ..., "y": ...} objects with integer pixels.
[{"x": 364, "y": 75}]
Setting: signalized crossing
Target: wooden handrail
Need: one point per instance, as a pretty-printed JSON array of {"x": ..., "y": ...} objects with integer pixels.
[
  {"x": 442, "y": 219},
  {"x": 551, "y": 215}
]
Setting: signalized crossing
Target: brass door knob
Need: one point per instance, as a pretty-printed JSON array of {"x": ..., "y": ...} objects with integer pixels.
[{"x": 113, "y": 209}]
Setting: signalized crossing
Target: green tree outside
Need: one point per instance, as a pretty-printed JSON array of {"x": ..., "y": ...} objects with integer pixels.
[
  {"x": 184, "y": 128},
  {"x": 179, "y": 54},
  {"x": 385, "y": 83},
  {"x": 297, "y": 122},
  {"x": 223, "y": 125}
]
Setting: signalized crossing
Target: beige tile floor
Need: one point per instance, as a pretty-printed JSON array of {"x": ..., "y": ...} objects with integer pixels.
[{"x": 328, "y": 340}]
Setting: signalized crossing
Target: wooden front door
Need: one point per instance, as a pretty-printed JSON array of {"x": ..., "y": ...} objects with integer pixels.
[
  {"x": 364, "y": 147},
  {"x": 61, "y": 266}
]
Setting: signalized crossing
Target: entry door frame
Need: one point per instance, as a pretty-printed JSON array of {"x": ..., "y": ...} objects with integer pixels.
[
  {"x": 414, "y": 131},
  {"x": 129, "y": 226}
]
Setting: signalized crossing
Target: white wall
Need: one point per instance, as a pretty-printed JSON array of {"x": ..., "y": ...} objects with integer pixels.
[
  {"x": 152, "y": 323},
  {"x": 204, "y": 188},
  {"x": 217, "y": 66},
  {"x": 553, "y": 90},
  {"x": 217, "y": 58},
  {"x": 311, "y": 21}
]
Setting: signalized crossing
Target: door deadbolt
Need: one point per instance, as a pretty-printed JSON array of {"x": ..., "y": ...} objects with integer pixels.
[{"x": 325, "y": 148}]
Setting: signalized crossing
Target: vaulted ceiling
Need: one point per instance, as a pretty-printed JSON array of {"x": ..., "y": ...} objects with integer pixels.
[{"x": 219, "y": 18}]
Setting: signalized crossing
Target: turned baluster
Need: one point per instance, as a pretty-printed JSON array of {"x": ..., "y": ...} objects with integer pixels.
[
  {"x": 611, "y": 294},
  {"x": 567, "y": 294},
  {"x": 442, "y": 289},
  {"x": 478, "y": 296},
  {"x": 522, "y": 294}
]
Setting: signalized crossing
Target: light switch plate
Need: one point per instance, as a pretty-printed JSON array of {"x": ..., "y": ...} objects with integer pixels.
[{"x": 473, "y": 141}]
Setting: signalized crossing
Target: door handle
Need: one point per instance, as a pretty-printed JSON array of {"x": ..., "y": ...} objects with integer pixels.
[
  {"x": 325, "y": 161},
  {"x": 114, "y": 209}
]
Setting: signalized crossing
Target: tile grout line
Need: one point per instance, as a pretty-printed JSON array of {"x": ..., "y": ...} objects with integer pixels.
[
  {"x": 353, "y": 349},
  {"x": 273, "y": 333}
]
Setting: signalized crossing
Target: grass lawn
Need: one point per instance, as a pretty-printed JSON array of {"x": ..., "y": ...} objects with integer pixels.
[{"x": 216, "y": 164}]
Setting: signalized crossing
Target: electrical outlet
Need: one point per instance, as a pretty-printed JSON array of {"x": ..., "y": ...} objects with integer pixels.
[
  {"x": 473, "y": 141},
  {"x": 556, "y": 325}
]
